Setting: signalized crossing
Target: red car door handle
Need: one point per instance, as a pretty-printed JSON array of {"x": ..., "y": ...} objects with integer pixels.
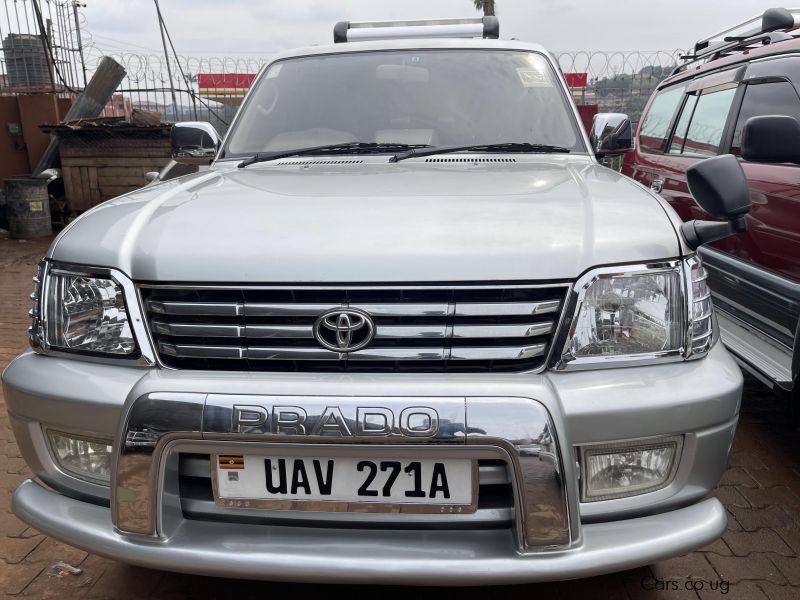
[{"x": 657, "y": 185}]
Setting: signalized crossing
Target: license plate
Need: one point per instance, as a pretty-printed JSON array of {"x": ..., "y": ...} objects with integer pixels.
[{"x": 429, "y": 485}]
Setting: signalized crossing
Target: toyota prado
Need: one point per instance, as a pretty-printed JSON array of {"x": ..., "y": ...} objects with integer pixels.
[{"x": 405, "y": 329}]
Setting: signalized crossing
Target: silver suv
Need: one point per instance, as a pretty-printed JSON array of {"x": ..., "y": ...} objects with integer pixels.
[{"x": 405, "y": 329}]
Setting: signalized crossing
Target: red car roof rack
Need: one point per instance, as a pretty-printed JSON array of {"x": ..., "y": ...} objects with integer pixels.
[{"x": 770, "y": 27}]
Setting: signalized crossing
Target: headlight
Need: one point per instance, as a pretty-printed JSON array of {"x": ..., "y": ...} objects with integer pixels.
[
  {"x": 638, "y": 314},
  {"x": 85, "y": 312}
]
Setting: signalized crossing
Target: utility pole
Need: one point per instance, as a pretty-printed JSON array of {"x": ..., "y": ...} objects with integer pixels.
[
  {"x": 75, "y": 5},
  {"x": 166, "y": 57}
]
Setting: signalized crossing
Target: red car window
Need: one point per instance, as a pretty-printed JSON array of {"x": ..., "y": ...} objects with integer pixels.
[
  {"x": 679, "y": 138},
  {"x": 655, "y": 125},
  {"x": 707, "y": 123},
  {"x": 775, "y": 98}
]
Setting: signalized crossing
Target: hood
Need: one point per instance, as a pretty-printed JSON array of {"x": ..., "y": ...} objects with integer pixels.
[{"x": 539, "y": 218}]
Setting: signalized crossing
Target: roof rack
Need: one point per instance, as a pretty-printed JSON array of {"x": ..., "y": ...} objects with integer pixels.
[
  {"x": 770, "y": 27},
  {"x": 485, "y": 27}
]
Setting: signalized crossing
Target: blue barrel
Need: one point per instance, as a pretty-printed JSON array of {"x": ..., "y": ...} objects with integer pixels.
[{"x": 28, "y": 208}]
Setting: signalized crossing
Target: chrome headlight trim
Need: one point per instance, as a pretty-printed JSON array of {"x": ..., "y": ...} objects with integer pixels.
[
  {"x": 702, "y": 331},
  {"x": 687, "y": 269},
  {"x": 143, "y": 354}
]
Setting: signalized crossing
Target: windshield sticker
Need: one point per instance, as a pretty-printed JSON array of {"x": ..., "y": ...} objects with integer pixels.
[
  {"x": 274, "y": 71},
  {"x": 533, "y": 77}
]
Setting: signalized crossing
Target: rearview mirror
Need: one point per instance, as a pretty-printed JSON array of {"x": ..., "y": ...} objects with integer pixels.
[
  {"x": 771, "y": 139},
  {"x": 611, "y": 134},
  {"x": 194, "y": 143},
  {"x": 719, "y": 187}
]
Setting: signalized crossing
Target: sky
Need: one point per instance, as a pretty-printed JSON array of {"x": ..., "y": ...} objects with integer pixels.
[{"x": 258, "y": 28}]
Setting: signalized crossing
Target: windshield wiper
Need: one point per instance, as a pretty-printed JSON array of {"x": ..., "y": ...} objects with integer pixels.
[
  {"x": 346, "y": 148},
  {"x": 504, "y": 147}
]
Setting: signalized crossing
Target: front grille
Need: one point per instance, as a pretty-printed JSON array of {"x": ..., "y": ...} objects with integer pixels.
[
  {"x": 495, "y": 502},
  {"x": 417, "y": 329}
]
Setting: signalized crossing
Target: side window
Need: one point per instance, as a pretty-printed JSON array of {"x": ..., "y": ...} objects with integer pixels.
[
  {"x": 655, "y": 126},
  {"x": 679, "y": 138},
  {"x": 776, "y": 98},
  {"x": 706, "y": 124}
]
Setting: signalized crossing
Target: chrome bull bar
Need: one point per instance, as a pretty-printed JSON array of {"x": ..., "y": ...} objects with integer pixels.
[{"x": 520, "y": 427}]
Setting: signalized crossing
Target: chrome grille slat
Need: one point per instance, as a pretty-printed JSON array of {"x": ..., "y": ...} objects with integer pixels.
[
  {"x": 306, "y": 331},
  {"x": 211, "y": 309},
  {"x": 410, "y": 331},
  {"x": 260, "y": 309},
  {"x": 290, "y": 353},
  {"x": 469, "y": 328},
  {"x": 197, "y": 330},
  {"x": 498, "y": 352},
  {"x": 506, "y": 309},
  {"x": 494, "y": 331},
  {"x": 406, "y": 310}
]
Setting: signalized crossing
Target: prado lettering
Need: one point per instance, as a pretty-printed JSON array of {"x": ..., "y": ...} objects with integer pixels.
[{"x": 413, "y": 421}]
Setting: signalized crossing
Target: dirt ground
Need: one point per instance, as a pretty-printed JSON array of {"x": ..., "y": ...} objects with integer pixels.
[{"x": 757, "y": 558}]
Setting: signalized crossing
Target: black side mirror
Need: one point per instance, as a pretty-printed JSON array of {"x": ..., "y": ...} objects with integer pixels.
[
  {"x": 720, "y": 188},
  {"x": 611, "y": 134},
  {"x": 771, "y": 139}
]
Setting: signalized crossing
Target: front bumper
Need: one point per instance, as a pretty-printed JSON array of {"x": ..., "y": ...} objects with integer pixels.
[
  {"x": 699, "y": 400},
  {"x": 368, "y": 556}
]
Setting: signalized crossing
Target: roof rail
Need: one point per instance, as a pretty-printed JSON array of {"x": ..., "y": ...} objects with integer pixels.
[
  {"x": 769, "y": 27},
  {"x": 486, "y": 27}
]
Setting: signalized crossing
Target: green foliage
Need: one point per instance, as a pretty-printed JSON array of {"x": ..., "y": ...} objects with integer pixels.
[{"x": 629, "y": 92}]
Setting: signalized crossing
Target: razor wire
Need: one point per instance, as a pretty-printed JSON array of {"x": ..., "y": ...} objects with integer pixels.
[{"x": 616, "y": 81}]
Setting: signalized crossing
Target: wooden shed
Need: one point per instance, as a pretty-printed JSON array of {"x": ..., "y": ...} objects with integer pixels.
[{"x": 101, "y": 160}]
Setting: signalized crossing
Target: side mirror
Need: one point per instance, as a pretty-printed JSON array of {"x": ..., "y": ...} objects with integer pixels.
[
  {"x": 194, "y": 143},
  {"x": 612, "y": 133},
  {"x": 720, "y": 188},
  {"x": 771, "y": 139},
  {"x": 151, "y": 176}
]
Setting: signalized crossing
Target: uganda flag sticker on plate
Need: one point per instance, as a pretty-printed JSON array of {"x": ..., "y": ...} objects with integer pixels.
[{"x": 231, "y": 462}]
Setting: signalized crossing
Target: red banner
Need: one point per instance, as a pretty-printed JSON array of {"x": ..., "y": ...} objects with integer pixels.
[
  {"x": 577, "y": 80},
  {"x": 206, "y": 81}
]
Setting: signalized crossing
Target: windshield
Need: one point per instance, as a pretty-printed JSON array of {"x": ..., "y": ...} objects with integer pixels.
[{"x": 419, "y": 97}]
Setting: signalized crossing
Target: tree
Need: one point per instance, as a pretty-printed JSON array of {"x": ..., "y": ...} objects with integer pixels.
[{"x": 487, "y": 6}]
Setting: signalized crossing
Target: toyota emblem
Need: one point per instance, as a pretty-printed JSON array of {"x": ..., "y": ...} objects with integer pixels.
[{"x": 344, "y": 330}]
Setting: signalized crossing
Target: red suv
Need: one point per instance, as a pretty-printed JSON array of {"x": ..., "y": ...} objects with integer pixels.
[{"x": 738, "y": 94}]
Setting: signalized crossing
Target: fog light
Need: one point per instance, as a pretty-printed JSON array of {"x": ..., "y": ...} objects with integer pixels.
[
  {"x": 628, "y": 468},
  {"x": 85, "y": 458}
]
